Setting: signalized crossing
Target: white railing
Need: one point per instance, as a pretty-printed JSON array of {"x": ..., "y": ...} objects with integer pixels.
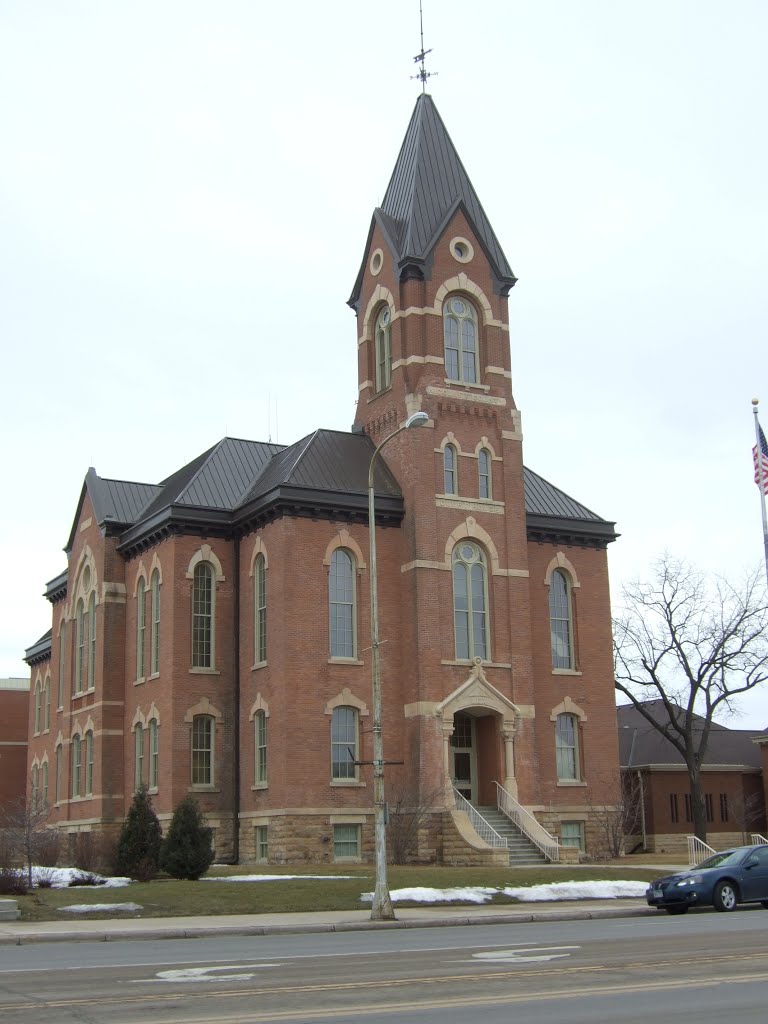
[
  {"x": 527, "y": 824},
  {"x": 479, "y": 824},
  {"x": 698, "y": 851},
  {"x": 757, "y": 840}
]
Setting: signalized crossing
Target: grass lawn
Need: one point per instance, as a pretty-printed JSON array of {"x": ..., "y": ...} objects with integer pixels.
[{"x": 171, "y": 898}]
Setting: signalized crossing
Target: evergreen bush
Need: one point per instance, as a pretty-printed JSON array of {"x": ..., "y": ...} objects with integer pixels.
[
  {"x": 186, "y": 850},
  {"x": 138, "y": 848}
]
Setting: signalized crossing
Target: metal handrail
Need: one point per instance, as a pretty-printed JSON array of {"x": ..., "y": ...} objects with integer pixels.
[
  {"x": 698, "y": 850},
  {"x": 480, "y": 825},
  {"x": 757, "y": 840},
  {"x": 527, "y": 824}
]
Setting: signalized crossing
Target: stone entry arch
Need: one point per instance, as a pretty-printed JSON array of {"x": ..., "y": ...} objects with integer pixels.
[{"x": 477, "y": 698}]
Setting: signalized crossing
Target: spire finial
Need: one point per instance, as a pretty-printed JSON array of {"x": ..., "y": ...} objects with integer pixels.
[{"x": 419, "y": 59}]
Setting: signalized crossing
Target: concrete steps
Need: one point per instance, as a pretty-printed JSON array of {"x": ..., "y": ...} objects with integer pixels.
[
  {"x": 9, "y": 911},
  {"x": 522, "y": 852}
]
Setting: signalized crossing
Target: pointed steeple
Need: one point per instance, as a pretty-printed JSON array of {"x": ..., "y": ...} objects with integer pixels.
[{"x": 429, "y": 183}]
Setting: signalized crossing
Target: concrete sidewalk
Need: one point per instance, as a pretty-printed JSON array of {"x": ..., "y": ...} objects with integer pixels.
[{"x": 20, "y": 932}]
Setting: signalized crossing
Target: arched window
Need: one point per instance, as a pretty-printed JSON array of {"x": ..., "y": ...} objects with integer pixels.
[
  {"x": 344, "y": 743},
  {"x": 154, "y": 642},
  {"x": 383, "y": 349},
  {"x": 77, "y": 762},
  {"x": 260, "y": 742},
  {"x": 202, "y": 750},
  {"x": 38, "y": 705},
  {"x": 202, "y": 616},
  {"x": 138, "y": 759},
  {"x": 154, "y": 754},
  {"x": 59, "y": 768},
  {"x": 44, "y": 786},
  {"x": 260, "y": 602},
  {"x": 567, "y": 747},
  {"x": 560, "y": 620},
  {"x": 484, "y": 473},
  {"x": 460, "y": 334},
  {"x": 92, "y": 642},
  {"x": 62, "y": 661},
  {"x": 80, "y": 643},
  {"x": 35, "y": 794},
  {"x": 47, "y": 704},
  {"x": 470, "y": 601},
  {"x": 450, "y": 477},
  {"x": 89, "y": 763},
  {"x": 141, "y": 627},
  {"x": 342, "y": 604}
]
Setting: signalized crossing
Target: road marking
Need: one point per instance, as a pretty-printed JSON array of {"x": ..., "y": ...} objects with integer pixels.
[
  {"x": 514, "y": 956},
  {"x": 209, "y": 973}
]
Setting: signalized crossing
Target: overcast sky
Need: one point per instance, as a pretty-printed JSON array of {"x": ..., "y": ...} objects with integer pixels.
[{"x": 185, "y": 193}]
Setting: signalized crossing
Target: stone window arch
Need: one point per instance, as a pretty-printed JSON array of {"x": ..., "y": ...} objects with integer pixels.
[
  {"x": 206, "y": 574},
  {"x": 568, "y": 718},
  {"x": 471, "y": 618},
  {"x": 461, "y": 339}
]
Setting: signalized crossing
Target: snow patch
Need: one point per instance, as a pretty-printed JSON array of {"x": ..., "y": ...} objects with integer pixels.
[{"x": 90, "y": 908}]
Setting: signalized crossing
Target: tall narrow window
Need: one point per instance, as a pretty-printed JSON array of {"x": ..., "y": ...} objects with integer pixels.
[
  {"x": 59, "y": 769},
  {"x": 80, "y": 646},
  {"x": 708, "y": 809},
  {"x": 566, "y": 744},
  {"x": 141, "y": 627},
  {"x": 38, "y": 706},
  {"x": 35, "y": 789},
  {"x": 450, "y": 485},
  {"x": 154, "y": 644},
  {"x": 62, "y": 661},
  {"x": 202, "y": 750},
  {"x": 723, "y": 807},
  {"x": 460, "y": 334},
  {"x": 260, "y": 741},
  {"x": 138, "y": 760},
  {"x": 342, "y": 604},
  {"x": 44, "y": 787},
  {"x": 47, "y": 704},
  {"x": 262, "y": 847},
  {"x": 484, "y": 473},
  {"x": 92, "y": 642},
  {"x": 77, "y": 755},
  {"x": 202, "y": 616},
  {"x": 560, "y": 630},
  {"x": 260, "y": 601},
  {"x": 674, "y": 813},
  {"x": 383, "y": 349},
  {"x": 154, "y": 754},
  {"x": 89, "y": 763},
  {"x": 470, "y": 602},
  {"x": 344, "y": 743}
]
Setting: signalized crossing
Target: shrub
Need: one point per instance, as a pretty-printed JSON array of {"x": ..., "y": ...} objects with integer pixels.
[
  {"x": 13, "y": 882},
  {"x": 44, "y": 878},
  {"x": 138, "y": 848},
  {"x": 86, "y": 878},
  {"x": 186, "y": 850},
  {"x": 48, "y": 849}
]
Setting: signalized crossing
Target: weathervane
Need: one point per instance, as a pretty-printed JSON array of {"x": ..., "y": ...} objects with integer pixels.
[{"x": 423, "y": 74}]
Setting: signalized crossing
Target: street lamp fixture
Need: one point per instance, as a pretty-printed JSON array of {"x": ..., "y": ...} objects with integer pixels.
[{"x": 381, "y": 908}]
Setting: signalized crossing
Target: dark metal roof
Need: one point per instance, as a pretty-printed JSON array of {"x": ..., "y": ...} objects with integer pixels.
[
  {"x": 56, "y": 589},
  {"x": 428, "y": 185},
  {"x": 640, "y": 745},
  {"x": 40, "y": 650},
  {"x": 544, "y": 499},
  {"x": 114, "y": 501},
  {"x": 553, "y": 515}
]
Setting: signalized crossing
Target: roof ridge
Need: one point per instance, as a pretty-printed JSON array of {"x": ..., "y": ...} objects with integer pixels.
[
  {"x": 309, "y": 438},
  {"x": 567, "y": 495}
]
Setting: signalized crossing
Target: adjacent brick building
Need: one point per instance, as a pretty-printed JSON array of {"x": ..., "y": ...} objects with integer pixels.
[
  {"x": 14, "y": 716},
  {"x": 211, "y": 632}
]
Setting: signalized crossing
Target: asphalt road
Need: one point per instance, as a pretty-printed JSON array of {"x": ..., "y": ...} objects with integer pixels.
[{"x": 704, "y": 967}]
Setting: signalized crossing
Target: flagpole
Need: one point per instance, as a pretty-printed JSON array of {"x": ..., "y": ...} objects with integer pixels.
[{"x": 762, "y": 471}]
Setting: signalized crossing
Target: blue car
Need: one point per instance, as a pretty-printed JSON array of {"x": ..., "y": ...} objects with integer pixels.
[{"x": 722, "y": 881}]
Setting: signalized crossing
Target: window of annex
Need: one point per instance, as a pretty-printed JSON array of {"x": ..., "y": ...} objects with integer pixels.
[
  {"x": 260, "y": 606},
  {"x": 47, "y": 704},
  {"x": 561, "y": 620},
  {"x": 383, "y": 349},
  {"x": 202, "y": 742},
  {"x": 141, "y": 628},
  {"x": 138, "y": 756},
  {"x": 484, "y": 475},
  {"x": 344, "y": 744},
  {"x": 261, "y": 843},
  {"x": 567, "y": 748},
  {"x": 260, "y": 748},
  {"x": 154, "y": 753},
  {"x": 44, "y": 786},
  {"x": 342, "y": 604},
  {"x": 154, "y": 638},
  {"x": 346, "y": 842},
  {"x": 77, "y": 764},
  {"x": 89, "y": 760},
  {"x": 38, "y": 706},
  {"x": 470, "y": 602},
  {"x": 460, "y": 340},
  {"x": 34, "y": 785},
  {"x": 62, "y": 662},
  {"x": 450, "y": 470}
]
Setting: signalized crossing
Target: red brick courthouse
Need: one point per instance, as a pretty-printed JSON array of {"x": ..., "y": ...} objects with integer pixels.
[{"x": 211, "y": 633}]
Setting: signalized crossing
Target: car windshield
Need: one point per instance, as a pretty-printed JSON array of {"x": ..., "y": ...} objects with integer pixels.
[{"x": 720, "y": 859}]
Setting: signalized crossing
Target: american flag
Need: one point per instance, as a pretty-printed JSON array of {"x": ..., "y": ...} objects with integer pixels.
[{"x": 764, "y": 452}]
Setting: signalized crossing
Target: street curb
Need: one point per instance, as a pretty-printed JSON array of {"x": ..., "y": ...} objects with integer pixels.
[{"x": 118, "y": 934}]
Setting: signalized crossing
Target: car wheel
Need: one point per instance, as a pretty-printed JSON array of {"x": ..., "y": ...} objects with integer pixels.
[
  {"x": 764, "y": 903},
  {"x": 724, "y": 897},
  {"x": 675, "y": 911}
]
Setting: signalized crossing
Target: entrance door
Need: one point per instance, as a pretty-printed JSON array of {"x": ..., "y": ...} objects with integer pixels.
[{"x": 463, "y": 750}]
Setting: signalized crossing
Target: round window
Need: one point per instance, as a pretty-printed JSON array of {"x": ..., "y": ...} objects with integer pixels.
[
  {"x": 458, "y": 307},
  {"x": 468, "y": 552},
  {"x": 377, "y": 261}
]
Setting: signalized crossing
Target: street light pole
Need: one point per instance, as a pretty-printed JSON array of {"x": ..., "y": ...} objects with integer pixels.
[{"x": 381, "y": 908}]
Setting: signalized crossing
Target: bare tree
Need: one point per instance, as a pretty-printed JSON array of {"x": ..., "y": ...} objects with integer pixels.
[
  {"x": 612, "y": 823},
  {"x": 410, "y": 811},
  {"x": 25, "y": 824},
  {"x": 747, "y": 813},
  {"x": 695, "y": 644}
]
